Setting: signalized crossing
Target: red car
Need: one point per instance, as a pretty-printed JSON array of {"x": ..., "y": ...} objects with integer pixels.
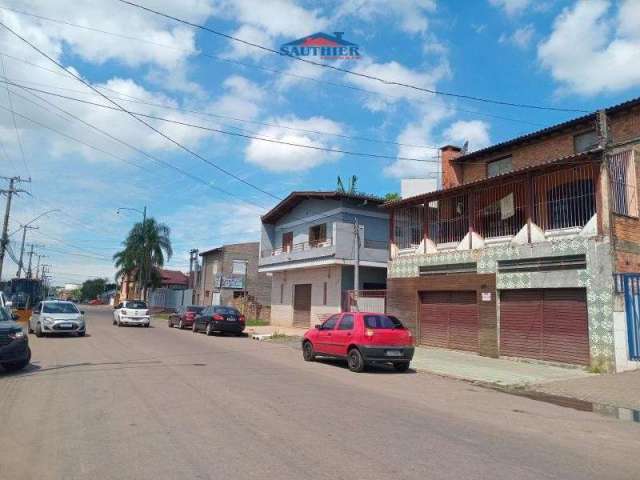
[
  {"x": 362, "y": 338},
  {"x": 184, "y": 316}
]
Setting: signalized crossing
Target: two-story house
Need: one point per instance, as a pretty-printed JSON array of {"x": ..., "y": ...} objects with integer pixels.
[
  {"x": 308, "y": 245},
  {"x": 517, "y": 255},
  {"x": 229, "y": 276}
]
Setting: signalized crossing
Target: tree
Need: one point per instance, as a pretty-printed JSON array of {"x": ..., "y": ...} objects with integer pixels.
[
  {"x": 92, "y": 288},
  {"x": 145, "y": 251},
  {"x": 392, "y": 196}
]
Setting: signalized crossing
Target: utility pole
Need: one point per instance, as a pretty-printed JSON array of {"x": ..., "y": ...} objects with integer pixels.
[
  {"x": 143, "y": 265},
  {"x": 21, "y": 263},
  {"x": 356, "y": 260},
  {"x": 40, "y": 256},
  {"x": 31, "y": 252},
  {"x": 12, "y": 190},
  {"x": 193, "y": 257}
]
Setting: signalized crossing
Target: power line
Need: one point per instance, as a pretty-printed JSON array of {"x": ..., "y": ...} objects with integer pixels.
[
  {"x": 350, "y": 72},
  {"x": 163, "y": 135},
  {"x": 15, "y": 125},
  {"x": 167, "y": 164},
  {"x": 236, "y": 62},
  {"x": 226, "y": 132}
]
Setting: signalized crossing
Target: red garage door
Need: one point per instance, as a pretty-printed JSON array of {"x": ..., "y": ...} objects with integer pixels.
[
  {"x": 449, "y": 320},
  {"x": 549, "y": 324}
]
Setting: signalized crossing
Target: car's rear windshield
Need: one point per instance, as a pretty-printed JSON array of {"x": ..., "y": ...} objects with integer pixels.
[
  {"x": 226, "y": 310},
  {"x": 135, "y": 305},
  {"x": 195, "y": 309},
  {"x": 382, "y": 321},
  {"x": 59, "y": 308}
]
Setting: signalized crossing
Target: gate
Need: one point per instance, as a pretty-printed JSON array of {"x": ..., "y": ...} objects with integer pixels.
[
  {"x": 631, "y": 288},
  {"x": 364, "y": 301}
]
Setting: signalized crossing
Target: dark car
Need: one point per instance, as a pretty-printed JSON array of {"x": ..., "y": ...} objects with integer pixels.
[
  {"x": 184, "y": 316},
  {"x": 15, "y": 353},
  {"x": 218, "y": 318}
]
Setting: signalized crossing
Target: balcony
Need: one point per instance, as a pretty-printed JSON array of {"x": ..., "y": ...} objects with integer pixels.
[
  {"x": 531, "y": 205},
  {"x": 297, "y": 247}
]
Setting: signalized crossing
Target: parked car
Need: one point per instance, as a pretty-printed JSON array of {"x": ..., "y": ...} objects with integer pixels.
[
  {"x": 363, "y": 339},
  {"x": 131, "y": 312},
  {"x": 15, "y": 353},
  {"x": 95, "y": 301},
  {"x": 218, "y": 318},
  {"x": 56, "y": 316},
  {"x": 184, "y": 316}
]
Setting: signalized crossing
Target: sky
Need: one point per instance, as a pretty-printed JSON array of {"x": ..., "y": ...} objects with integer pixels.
[{"x": 85, "y": 161}]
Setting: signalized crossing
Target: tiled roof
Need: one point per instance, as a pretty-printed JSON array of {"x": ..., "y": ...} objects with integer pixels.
[
  {"x": 173, "y": 277},
  {"x": 294, "y": 198}
]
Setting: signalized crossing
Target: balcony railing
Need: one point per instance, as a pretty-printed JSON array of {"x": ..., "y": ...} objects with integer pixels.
[
  {"x": 297, "y": 247},
  {"x": 554, "y": 198}
]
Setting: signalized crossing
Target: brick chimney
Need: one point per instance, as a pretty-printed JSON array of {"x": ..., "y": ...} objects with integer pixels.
[{"x": 451, "y": 172}]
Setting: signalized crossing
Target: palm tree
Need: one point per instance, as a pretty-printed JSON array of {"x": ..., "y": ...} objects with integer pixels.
[{"x": 145, "y": 250}]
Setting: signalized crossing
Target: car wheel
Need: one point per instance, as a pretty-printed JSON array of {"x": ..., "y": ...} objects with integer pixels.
[
  {"x": 118, "y": 323},
  {"x": 146, "y": 325},
  {"x": 355, "y": 360},
  {"x": 401, "y": 367},
  {"x": 81, "y": 334},
  {"x": 181, "y": 325},
  {"x": 170, "y": 323},
  {"x": 307, "y": 352},
  {"x": 209, "y": 331},
  {"x": 113, "y": 322},
  {"x": 29, "y": 329},
  {"x": 194, "y": 329},
  {"x": 39, "y": 331},
  {"x": 14, "y": 366}
]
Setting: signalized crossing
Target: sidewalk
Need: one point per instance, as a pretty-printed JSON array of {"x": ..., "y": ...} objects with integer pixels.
[
  {"x": 502, "y": 372},
  {"x": 620, "y": 389},
  {"x": 271, "y": 329}
]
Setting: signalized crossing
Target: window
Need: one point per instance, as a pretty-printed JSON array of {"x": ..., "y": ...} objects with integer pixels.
[
  {"x": 59, "y": 307},
  {"x": 238, "y": 294},
  {"x": 330, "y": 323},
  {"x": 585, "y": 141},
  {"x": 346, "y": 323},
  {"x": 287, "y": 241},
  {"x": 382, "y": 322},
  {"x": 624, "y": 188},
  {"x": 134, "y": 304},
  {"x": 195, "y": 309},
  {"x": 570, "y": 204},
  {"x": 226, "y": 310},
  {"x": 498, "y": 167},
  {"x": 324, "y": 294},
  {"x": 215, "y": 267},
  {"x": 317, "y": 234},
  {"x": 281, "y": 293},
  {"x": 239, "y": 267}
]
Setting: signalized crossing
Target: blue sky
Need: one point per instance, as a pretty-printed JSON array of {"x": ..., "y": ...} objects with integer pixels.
[{"x": 565, "y": 54}]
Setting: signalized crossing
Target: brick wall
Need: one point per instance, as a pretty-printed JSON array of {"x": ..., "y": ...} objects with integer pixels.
[
  {"x": 258, "y": 285},
  {"x": 623, "y": 126}
]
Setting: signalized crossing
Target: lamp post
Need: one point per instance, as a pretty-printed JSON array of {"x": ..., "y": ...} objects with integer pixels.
[
  {"x": 144, "y": 241},
  {"x": 24, "y": 234}
]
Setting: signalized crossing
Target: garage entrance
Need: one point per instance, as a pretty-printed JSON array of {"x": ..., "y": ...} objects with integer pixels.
[
  {"x": 302, "y": 305},
  {"x": 545, "y": 324},
  {"x": 449, "y": 319}
]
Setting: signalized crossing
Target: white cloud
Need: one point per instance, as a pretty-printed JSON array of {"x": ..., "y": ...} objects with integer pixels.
[
  {"x": 521, "y": 37},
  {"x": 283, "y": 158},
  {"x": 262, "y": 22},
  {"x": 242, "y": 98},
  {"x": 476, "y": 132},
  {"x": 394, "y": 71},
  {"x": 590, "y": 50},
  {"x": 511, "y": 7},
  {"x": 413, "y": 15}
]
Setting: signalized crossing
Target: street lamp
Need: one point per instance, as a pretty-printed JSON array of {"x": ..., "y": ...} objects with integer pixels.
[
  {"x": 144, "y": 240},
  {"x": 24, "y": 228}
]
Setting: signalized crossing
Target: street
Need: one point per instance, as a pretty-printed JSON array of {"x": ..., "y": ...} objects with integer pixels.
[{"x": 160, "y": 403}]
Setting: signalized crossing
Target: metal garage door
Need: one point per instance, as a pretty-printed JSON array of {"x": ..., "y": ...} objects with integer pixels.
[
  {"x": 449, "y": 320},
  {"x": 302, "y": 305},
  {"x": 549, "y": 324}
]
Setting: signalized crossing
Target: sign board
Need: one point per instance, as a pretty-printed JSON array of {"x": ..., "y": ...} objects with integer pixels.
[
  {"x": 232, "y": 282},
  {"x": 486, "y": 296}
]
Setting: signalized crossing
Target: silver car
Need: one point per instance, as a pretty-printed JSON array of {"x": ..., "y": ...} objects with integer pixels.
[{"x": 54, "y": 316}]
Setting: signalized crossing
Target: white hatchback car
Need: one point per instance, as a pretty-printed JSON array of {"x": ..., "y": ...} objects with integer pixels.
[
  {"x": 131, "y": 312},
  {"x": 55, "y": 316}
]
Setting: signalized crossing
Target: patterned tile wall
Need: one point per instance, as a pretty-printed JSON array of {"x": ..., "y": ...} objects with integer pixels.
[{"x": 597, "y": 278}]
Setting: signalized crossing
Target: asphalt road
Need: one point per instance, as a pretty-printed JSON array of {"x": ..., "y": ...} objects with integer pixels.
[{"x": 159, "y": 403}]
